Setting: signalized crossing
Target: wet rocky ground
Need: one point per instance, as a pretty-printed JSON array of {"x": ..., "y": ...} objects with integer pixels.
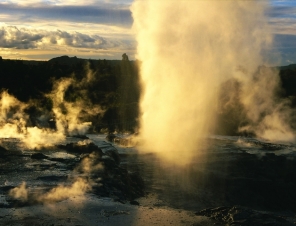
[
  {"x": 233, "y": 182},
  {"x": 42, "y": 170}
]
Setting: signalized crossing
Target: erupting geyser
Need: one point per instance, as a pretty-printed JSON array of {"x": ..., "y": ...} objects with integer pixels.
[{"x": 187, "y": 49}]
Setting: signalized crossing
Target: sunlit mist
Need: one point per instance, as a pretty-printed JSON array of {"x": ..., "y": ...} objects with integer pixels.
[
  {"x": 187, "y": 50},
  {"x": 14, "y": 121},
  {"x": 75, "y": 186}
]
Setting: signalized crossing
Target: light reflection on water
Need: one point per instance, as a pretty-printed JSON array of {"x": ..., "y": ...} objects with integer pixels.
[{"x": 251, "y": 145}]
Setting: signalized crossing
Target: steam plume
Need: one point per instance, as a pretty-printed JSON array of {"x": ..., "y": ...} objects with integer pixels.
[
  {"x": 187, "y": 49},
  {"x": 14, "y": 121},
  {"x": 20, "y": 192},
  {"x": 77, "y": 187},
  {"x": 269, "y": 118},
  {"x": 67, "y": 113}
]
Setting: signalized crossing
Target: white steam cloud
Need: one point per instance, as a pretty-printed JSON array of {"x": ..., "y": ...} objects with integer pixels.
[
  {"x": 13, "y": 124},
  {"x": 78, "y": 188},
  {"x": 268, "y": 117},
  {"x": 14, "y": 120},
  {"x": 75, "y": 187},
  {"x": 187, "y": 49}
]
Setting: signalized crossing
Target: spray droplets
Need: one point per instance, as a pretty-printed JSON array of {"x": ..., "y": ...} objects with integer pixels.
[{"x": 188, "y": 49}]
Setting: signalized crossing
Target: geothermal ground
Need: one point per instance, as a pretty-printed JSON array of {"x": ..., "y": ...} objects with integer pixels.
[{"x": 232, "y": 181}]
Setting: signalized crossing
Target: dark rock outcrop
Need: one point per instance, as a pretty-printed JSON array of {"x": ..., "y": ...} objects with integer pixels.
[
  {"x": 242, "y": 216},
  {"x": 38, "y": 156},
  {"x": 114, "y": 180},
  {"x": 77, "y": 148}
]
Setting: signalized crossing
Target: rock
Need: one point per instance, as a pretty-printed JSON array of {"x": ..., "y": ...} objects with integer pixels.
[
  {"x": 80, "y": 137},
  {"x": 3, "y": 152},
  {"x": 115, "y": 181},
  {"x": 52, "y": 178},
  {"x": 123, "y": 140},
  {"x": 38, "y": 156},
  {"x": 118, "y": 183},
  {"x": 109, "y": 163},
  {"x": 111, "y": 137},
  {"x": 2, "y": 155},
  {"x": 119, "y": 200},
  {"x": 78, "y": 148},
  {"x": 114, "y": 155},
  {"x": 134, "y": 203},
  {"x": 242, "y": 216}
]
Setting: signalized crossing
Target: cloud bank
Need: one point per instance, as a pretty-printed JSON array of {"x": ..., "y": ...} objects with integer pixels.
[
  {"x": 282, "y": 18},
  {"x": 23, "y": 38},
  {"x": 109, "y": 23},
  {"x": 40, "y": 30},
  {"x": 17, "y": 39},
  {"x": 111, "y": 14}
]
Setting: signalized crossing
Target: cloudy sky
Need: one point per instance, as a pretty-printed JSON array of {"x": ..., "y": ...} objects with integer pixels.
[{"x": 99, "y": 29}]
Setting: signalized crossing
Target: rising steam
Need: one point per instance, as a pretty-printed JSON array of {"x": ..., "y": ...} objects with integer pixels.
[
  {"x": 75, "y": 187},
  {"x": 78, "y": 188},
  {"x": 188, "y": 49},
  {"x": 14, "y": 121},
  {"x": 268, "y": 117}
]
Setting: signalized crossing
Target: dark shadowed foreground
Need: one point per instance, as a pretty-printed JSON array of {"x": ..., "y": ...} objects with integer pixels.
[{"x": 234, "y": 181}]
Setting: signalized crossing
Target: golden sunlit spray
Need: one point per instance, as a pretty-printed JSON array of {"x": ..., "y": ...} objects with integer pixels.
[{"x": 187, "y": 49}]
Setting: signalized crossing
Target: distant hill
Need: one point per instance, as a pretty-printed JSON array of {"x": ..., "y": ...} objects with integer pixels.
[
  {"x": 288, "y": 67},
  {"x": 66, "y": 60}
]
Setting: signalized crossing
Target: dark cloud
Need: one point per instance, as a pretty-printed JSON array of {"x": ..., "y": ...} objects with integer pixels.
[
  {"x": 13, "y": 37},
  {"x": 283, "y": 18},
  {"x": 109, "y": 14},
  {"x": 283, "y": 12}
]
